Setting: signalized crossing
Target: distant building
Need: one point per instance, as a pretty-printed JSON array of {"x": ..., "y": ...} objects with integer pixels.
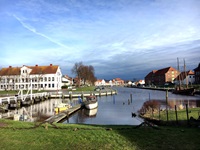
[
  {"x": 37, "y": 77},
  {"x": 197, "y": 74},
  {"x": 185, "y": 78},
  {"x": 66, "y": 80},
  {"x": 141, "y": 82},
  {"x": 162, "y": 76},
  {"x": 118, "y": 81},
  {"x": 100, "y": 82}
]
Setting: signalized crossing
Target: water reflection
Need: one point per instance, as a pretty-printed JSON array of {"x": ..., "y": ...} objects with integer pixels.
[{"x": 39, "y": 111}]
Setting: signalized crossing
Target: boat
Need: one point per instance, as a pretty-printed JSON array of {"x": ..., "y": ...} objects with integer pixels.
[
  {"x": 91, "y": 102},
  {"x": 91, "y": 112},
  {"x": 180, "y": 89},
  {"x": 61, "y": 107}
]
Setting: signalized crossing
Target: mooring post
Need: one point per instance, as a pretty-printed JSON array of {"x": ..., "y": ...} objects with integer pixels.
[
  {"x": 176, "y": 115},
  {"x": 159, "y": 113},
  {"x": 167, "y": 104},
  {"x": 187, "y": 114},
  {"x": 131, "y": 97}
]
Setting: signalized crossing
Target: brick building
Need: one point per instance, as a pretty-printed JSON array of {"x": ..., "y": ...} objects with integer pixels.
[{"x": 162, "y": 76}]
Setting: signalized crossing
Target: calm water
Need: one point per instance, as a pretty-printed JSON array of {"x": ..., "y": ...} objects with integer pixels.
[
  {"x": 111, "y": 110},
  {"x": 118, "y": 111}
]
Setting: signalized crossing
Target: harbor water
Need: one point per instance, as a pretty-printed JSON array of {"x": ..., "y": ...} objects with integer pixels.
[
  {"x": 112, "y": 110},
  {"x": 118, "y": 109}
]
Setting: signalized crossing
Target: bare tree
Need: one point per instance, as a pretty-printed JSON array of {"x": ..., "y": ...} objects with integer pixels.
[
  {"x": 77, "y": 71},
  {"x": 86, "y": 73}
]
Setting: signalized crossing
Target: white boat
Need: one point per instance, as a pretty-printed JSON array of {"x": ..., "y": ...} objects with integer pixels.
[
  {"x": 91, "y": 112},
  {"x": 61, "y": 107},
  {"x": 91, "y": 102}
]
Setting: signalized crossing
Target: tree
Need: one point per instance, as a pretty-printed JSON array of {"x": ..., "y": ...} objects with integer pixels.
[
  {"x": 77, "y": 71},
  {"x": 86, "y": 73}
]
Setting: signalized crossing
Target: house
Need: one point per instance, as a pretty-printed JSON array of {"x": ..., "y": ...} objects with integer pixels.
[
  {"x": 25, "y": 77},
  {"x": 185, "y": 78},
  {"x": 160, "y": 77},
  {"x": 66, "y": 80},
  {"x": 141, "y": 82},
  {"x": 100, "y": 82},
  {"x": 118, "y": 81},
  {"x": 197, "y": 74}
]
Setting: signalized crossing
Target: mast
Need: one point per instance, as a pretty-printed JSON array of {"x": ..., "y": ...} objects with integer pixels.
[
  {"x": 179, "y": 73},
  {"x": 185, "y": 74}
]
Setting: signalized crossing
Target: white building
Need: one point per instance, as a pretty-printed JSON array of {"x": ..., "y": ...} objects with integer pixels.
[
  {"x": 100, "y": 82},
  {"x": 185, "y": 78},
  {"x": 39, "y": 77}
]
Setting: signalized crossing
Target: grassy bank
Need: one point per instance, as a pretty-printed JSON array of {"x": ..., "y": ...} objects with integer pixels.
[
  {"x": 183, "y": 118},
  {"x": 22, "y": 135}
]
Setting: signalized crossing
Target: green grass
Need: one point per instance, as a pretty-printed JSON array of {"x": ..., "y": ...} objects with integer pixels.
[
  {"x": 87, "y": 88},
  {"x": 21, "y": 135},
  {"x": 181, "y": 114}
]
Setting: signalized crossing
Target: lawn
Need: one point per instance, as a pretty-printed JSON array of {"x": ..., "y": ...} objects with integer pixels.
[{"x": 23, "y": 135}]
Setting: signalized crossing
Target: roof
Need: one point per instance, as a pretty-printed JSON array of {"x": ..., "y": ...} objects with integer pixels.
[
  {"x": 164, "y": 70},
  {"x": 44, "y": 69},
  {"x": 10, "y": 71},
  {"x": 51, "y": 69},
  {"x": 159, "y": 72}
]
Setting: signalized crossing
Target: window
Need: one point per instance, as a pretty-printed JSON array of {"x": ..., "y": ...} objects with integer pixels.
[
  {"x": 49, "y": 85},
  {"x": 49, "y": 78},
  {"x": 52, "y": 78},
  {"x": 52, "y": 85},
  {"x": 45, "y": 79}
]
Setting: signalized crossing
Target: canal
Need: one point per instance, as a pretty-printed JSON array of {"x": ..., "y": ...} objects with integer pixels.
[
  {"x": 118, "y": 109},
  {"x": 114, "y": 110}
]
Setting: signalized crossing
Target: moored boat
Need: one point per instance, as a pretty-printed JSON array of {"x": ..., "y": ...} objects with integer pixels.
[
  {"x": 61, "y": 107},
  {"x": 180, "y": 89},
  {"x": 187, "y": 91},
  {"x": 91, "y": 102},
  {"x": 91, "y": 112}
]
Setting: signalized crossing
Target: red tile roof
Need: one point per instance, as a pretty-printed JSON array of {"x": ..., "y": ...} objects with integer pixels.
[
  {"x": 35, "y": 70},
  {"x": 164, "y": 70},
  {"x": 10, "y": 71}
]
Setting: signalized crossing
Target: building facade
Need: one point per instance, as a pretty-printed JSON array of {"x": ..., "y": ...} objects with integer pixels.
[
  {"x": 162, "y": 76},
  {"x": 35, "y": 77},
  {"x": 185, "y": 78},
  {"x": 197, "y": 74}
]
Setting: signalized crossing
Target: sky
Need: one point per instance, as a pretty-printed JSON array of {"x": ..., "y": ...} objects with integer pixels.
[{"x": 119, "y": 38}]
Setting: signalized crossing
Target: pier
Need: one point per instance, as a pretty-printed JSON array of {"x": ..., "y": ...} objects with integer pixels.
[
  {"x": 74, "y": 94},
  {"x": 64, "y": 114}
]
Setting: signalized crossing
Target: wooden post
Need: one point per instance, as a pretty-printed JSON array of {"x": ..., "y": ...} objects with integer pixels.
[
  {"x": 167, "y": 104},
  {"x": 187, "y": 114},
  {"x": 131, "y": 97},
  {"x": 159, "y": 112},
  {"x": 176, "y": 115}
]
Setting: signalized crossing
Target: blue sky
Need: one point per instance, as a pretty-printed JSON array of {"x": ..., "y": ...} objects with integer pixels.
[{"x": 119, "y": 38}]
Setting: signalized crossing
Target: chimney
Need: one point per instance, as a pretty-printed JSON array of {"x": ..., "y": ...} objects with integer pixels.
[
  {"x": 36, "y": 65},
  {"x": 10, "y": 66},
  {"x": 50, "y": 64}
]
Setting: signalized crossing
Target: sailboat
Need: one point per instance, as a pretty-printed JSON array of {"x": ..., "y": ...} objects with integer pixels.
[{"x": 180, "y": 89}]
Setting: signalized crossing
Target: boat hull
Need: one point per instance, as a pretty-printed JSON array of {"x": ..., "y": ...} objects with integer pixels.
[
  {"x": 91, "y": 105},
  {"x": 189, "y": 91}
]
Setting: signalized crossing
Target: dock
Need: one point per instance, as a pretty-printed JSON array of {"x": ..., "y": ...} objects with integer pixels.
[
  {"x": 74, "y": 94},
  {"x": 64, "y": 114}
]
